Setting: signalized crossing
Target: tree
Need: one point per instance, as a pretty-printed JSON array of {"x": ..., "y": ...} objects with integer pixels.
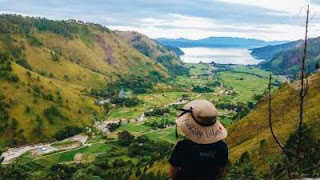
[
  {"x": 125, "y": 138},
  {"x": 21, "y": 169},
  {"x": 68, "y": 131},
  {"x": 243, "y": 169},
  {"x": 309, "y": 163}
]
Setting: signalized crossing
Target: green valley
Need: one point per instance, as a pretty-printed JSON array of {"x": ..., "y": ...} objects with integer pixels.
[{"x": 79, "y": 100}]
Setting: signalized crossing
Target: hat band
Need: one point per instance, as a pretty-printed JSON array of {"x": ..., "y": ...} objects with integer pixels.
[{"x": 184, "y": 111}]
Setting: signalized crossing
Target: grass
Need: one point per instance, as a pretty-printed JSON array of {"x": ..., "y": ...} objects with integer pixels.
[
  {"x": 135, "y": 128},
  {"x": 245, "y": 85},
  {"x": 196, "y": 69},
  {"x": 64, "y": 143},
  {"x": 95, "y": 139},
  {"x": 126, "y": 113},
  {"x": 226, "y": 121},
  {"x": 69, "y": 155},
  {"x": 61, "y": 157},
  {"x": 150, "y": 100},
  {"x": 164, "y": 135},
  {"x": 98, "y": 148}
]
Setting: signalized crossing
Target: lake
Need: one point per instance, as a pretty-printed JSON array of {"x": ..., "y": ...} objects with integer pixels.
[{"x": 218, "y": 55}]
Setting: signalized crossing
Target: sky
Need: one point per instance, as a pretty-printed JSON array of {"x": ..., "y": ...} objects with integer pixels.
[{"x": 192, "y": 19}]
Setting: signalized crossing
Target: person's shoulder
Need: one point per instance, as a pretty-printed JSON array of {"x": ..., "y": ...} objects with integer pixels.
[
  {"x": 222, "y": 144},
  {"x": 184, "y": 142}
]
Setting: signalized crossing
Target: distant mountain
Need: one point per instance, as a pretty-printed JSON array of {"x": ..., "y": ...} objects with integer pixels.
[
  {"x": 285, "y": 59},
  {"x": 218, "y": 42},
  {"x": 163, "y": 54},
  {"x": 268, "y": 52}
]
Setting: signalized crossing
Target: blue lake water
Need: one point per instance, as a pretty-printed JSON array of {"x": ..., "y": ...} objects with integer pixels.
[{"x": 218, "y": 55}]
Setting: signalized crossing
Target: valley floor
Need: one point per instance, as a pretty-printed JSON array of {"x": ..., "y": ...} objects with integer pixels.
[{"x": 230, "y": 87}]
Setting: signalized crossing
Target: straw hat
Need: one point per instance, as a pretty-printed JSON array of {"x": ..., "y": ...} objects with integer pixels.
[{"x": 199, "y": 123}]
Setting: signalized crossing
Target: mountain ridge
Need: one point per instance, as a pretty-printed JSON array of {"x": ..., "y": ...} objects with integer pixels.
[
  {"x": 285, "y": 59},
  {"x": 218, "y": 42},
  {"x": 167, "y": 56}
]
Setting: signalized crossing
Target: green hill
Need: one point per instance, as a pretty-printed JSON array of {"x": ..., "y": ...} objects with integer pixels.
[
  {"x": 287, "y": 59},
  {"x": 247, "y": 134},
  {"x": 268, "y": 52},
  {"x": 47, "y": 69},
  {"x": 162, "y": 54}
]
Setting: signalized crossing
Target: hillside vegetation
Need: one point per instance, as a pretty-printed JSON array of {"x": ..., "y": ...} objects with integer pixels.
[
  {"x": 252, "y": 132},
  {"x": 268, "y": 52},
  {"x": 284, "y": 59},
  {"x": 162, "y": 54},
  {"x": 47, "y": 71}
]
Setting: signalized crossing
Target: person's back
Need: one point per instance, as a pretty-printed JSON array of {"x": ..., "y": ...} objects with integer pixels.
[
  {"x": 199, "y": 161},
  {"x": 205, "y": 155}
]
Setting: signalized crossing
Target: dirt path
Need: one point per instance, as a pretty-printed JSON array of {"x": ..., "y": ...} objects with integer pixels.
[{"x": 42, "y": 148}]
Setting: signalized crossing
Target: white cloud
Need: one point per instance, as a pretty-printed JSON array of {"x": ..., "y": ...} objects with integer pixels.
[
  {"x": 274, "y": 32},
  {"x": 178, "y": 20},
  {"x": 263, "y": 19},
  {"x": 291, "y": 7},
  {"x": 177, "y": 26}
]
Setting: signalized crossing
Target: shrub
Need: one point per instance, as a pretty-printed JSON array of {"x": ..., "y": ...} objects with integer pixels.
[
  {"x": 23, "y": 62},
  {"x": 201, "y": 89},
  {"x": 55, "y": 57},
  {"x": 52, "y": 113},
  {"x": 38, "y": 129},
  {"x": 4, "y": 115},
  {"x": 113, "y": 126},
  {"x": 28, "y": 109},
  {"x": 145, "y": 147},
  {"x": 162, "y": 123},
  {"x": 158, "y": 111},
  {"x": 13, "y": 78},
  {"x": 129, "y": 102},
  {"x": 14, "y": 123},
  {"x": 34, "y": 41},
  {"x": 125, "y": 138}
]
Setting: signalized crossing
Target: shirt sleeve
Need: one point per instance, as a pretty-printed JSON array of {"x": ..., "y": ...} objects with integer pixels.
[
  {"x": 224, "y": 154},
  {"x": 176, "y": 155}
]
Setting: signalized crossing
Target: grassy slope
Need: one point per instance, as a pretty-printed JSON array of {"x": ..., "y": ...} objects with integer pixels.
[
  {"x": 154, "y": 50},
  {"x": 246, "y": 134},
  {"x": 82, "y": 65}
]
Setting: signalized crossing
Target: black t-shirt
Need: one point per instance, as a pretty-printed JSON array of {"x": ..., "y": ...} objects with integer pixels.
[{"x": 199, "y": 161}]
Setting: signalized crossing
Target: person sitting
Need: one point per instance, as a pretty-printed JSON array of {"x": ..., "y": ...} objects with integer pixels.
[{"x": 203, "y": 156}]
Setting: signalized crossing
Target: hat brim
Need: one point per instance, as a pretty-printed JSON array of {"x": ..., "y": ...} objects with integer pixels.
[{"x": 201, "y": 134}]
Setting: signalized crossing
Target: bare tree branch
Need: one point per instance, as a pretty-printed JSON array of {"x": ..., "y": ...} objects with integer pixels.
[
  {"x": 303, "y": 89},
  {"x": 270, "y": 116}
]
